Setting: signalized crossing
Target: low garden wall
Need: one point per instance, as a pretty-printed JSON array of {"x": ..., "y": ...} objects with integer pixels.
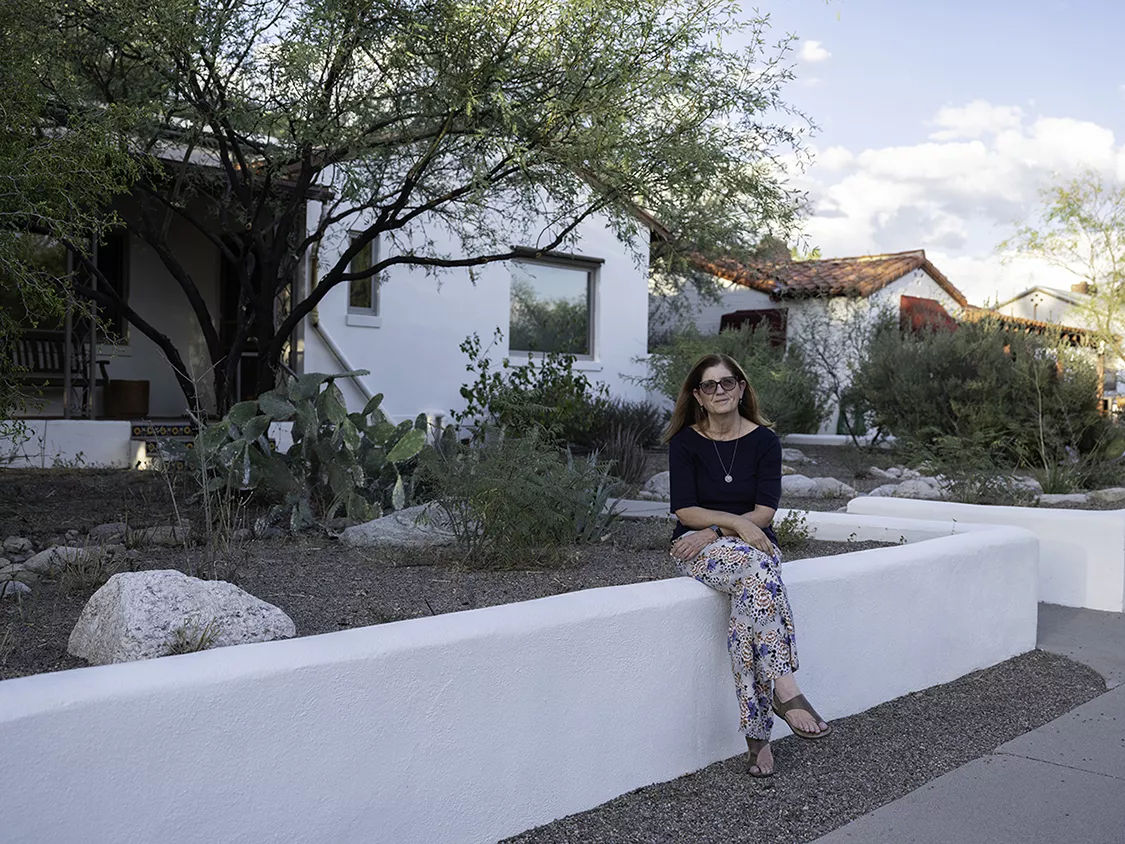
[
  {"x": 68, "y": 443},
  {"x": 1082, "y": 552},
  {"x": 472, "y": 726}
]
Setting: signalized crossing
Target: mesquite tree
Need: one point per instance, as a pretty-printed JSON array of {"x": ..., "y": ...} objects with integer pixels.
[{"x": 438, "y": 128}]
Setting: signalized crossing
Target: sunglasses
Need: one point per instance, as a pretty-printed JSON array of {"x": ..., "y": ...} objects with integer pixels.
[{"x": 728, "y": 384}]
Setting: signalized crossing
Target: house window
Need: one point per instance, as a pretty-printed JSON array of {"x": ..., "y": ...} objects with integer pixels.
[
  {"x": 552, "y": 306},
  {"x": 363, "y": 293},
  {"x": 48, "y": 258}
]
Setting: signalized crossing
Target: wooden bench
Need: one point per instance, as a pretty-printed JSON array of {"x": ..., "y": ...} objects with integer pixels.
[{"x": 41, "y": 358}]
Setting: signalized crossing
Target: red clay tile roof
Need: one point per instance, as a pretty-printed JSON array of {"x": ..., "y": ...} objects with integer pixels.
[{"x": 859, "y": 276}]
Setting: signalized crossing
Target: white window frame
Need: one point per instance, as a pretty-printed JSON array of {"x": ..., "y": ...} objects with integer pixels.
[
  {"x": 367, "y": 316},
  {"x": 592, "y": 268}
]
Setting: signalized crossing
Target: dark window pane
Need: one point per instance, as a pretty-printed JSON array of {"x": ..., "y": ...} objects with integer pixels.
[
  {"x": 550, "y": 308},
  {"x": 360, "y": 292}
]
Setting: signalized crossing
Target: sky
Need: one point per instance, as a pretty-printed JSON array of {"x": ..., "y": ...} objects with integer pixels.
[{"x": 938, "y": 121}]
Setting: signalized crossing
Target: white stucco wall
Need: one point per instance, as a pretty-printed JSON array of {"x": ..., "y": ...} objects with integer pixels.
[
  {"x": 1043, "y": 306},
  {"x": 473, "y": 726},
  {"x": 412, "y": 349},
  {"x": 1082, "y": 562},
  {"x": 67, "y": 443}
]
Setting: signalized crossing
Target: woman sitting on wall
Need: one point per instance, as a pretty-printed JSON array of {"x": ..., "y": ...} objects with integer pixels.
[{"x": 725, "y": 475}]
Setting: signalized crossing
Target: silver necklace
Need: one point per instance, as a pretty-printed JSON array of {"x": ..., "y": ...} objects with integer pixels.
[{"x": 727, "y": 472}]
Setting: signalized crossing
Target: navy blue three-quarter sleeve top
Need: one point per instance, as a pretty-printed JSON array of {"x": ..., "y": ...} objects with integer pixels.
[{"x": 696, "y": 473}]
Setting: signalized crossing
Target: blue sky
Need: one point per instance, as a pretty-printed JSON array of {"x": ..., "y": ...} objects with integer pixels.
[{"x": 939, "y": 120}]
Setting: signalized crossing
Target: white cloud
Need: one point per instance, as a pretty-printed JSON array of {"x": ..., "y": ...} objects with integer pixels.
[
  {"x": 975, "y": 120},
  {"x": 956, "y": 194},
  {"x": 813, "y": 51}
]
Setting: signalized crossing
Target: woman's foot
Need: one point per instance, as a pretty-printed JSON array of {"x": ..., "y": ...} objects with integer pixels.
[
  {"x": 784, "y": 690},
  {"x": 760, "y": 757}
]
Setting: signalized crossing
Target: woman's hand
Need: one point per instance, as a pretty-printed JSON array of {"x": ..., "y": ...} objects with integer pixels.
[
  {"x": 754, "y": 536},
  {"x": 688, "y": 546}
]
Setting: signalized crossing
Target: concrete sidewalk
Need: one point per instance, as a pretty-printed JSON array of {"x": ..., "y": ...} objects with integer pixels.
[{"x": 1062, "y": 782}]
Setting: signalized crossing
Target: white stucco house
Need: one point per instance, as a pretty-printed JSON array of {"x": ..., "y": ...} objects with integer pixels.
[
  {"x": 405, "y": 327},
  {"x": 817, "y": 301}
]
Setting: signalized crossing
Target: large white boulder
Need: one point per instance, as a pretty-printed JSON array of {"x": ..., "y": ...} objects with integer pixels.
[
  {"x": 140, "y": 615},
  {"x": 884, "y": 491},
  {"x": 423, "y": 525},
  {"x": 832, "y": 488}
]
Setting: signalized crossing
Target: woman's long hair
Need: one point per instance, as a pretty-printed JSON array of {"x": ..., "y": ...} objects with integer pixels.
[{"x": 689, "y": 412}]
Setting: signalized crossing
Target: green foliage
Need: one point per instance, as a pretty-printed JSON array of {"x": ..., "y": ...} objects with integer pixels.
[
  {"x": 57, "y": 183},
  {"x": 549, "y": 396},
  {"x": 786, "y": 388},
  {"x": 474, "y": 116},
  {"x": 643, "y": 420},
  {"x": 1016, "y": 398},
  {"x": 360, "y": 463},
  {"x": 623, "y": 451},
  {"x": 1079, "y": 226},
  {"x": 190, "y": 637},
  {"x": 972, "y": 468},
  {"x": 792, "y": 530},
  {"x": 516, "y": 502}
]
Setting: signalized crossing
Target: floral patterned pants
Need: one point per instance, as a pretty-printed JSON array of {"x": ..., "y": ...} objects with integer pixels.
[{"x": 761, "y": 639}]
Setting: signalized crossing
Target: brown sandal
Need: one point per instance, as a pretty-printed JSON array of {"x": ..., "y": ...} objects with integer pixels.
[
  {"x": 800, "y": 702},
  {"x": 756, "y": 746}
]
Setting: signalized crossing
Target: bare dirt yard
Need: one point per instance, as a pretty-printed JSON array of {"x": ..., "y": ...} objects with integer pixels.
[{"x": 320, "y": 583}]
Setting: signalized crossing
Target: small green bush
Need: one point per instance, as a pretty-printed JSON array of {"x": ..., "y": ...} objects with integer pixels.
[
  {"x": 513, "y": 502},
  {"x": 549, "y": 395},
  {"x": 625, "y": 456},
  {"x": 786, "y": 387},
  {"x": 792, "y": 530},
  {"x": 604, "y": 419}
]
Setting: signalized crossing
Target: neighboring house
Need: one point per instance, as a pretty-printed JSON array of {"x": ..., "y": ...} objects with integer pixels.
[
  {"x": 1063, "y": 309},
  {"x": 405, "y": 327},
  {"x": 822, "y": 301}
]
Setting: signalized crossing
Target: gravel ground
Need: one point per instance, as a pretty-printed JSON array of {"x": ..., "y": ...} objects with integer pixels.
[
  {"x": 870, "y": 759},
  {"x": 324, "y": 586}
]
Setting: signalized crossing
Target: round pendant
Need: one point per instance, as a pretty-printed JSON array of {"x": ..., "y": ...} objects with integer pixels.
[{"x": 728, "y": 479}]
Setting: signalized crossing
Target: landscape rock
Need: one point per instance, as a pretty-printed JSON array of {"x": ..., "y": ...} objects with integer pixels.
[
  {"x": 795, "y": 455},
  {"x": 909, "y": 474},
  {"x": 12, "y": 588},
  {"x": 881, "y": 474},
  {"x": 1020, "y": 483},
  {"x": 137, "y": 615},
  {"x": 884, "y": 491},
  {"x": 657, "y": 488},
  {"x": 423, "y": 525},
  {"x": 800, "y": 486},
  {"x": 170, "y": 536},
  {"x": 10, "y": 569},
  {"x": 242, "y": 535},
  {"x": 17, "y": 545},
  {"x": 787, "y": 469},
  {"x": 112, "y": 533},
  {"x": 54, "y": 560},
  {"x": 832, "y": 488},
  {"x": 1051, "y": 500},
  {"x": 1111, "y": 495},
  {"x": 925, "y": 489}
]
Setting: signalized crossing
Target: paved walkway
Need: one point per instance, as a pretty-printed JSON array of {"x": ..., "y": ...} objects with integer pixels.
[{"x": 1062, "y": 782}]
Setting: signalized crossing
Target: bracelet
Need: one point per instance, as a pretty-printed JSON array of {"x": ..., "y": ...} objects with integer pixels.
[{"x": 718, "y": 531}]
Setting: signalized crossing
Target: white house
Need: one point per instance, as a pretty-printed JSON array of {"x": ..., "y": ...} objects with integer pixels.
[
  {"x": 821, "y": 301},
  {"x": 405, "y": 328}
]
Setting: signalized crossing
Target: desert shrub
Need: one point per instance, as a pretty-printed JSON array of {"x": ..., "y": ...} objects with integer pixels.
[
  {"x": 786, "y": 387},
  {"x": 625, "y": 455},
  {"x": 517, "y": 501},
  {"x": 360, "y": 462},
  {"x": 548, "y": 395},
  {"x": 1018, "y": 399},
  {"x": 604, "y": 418}
]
